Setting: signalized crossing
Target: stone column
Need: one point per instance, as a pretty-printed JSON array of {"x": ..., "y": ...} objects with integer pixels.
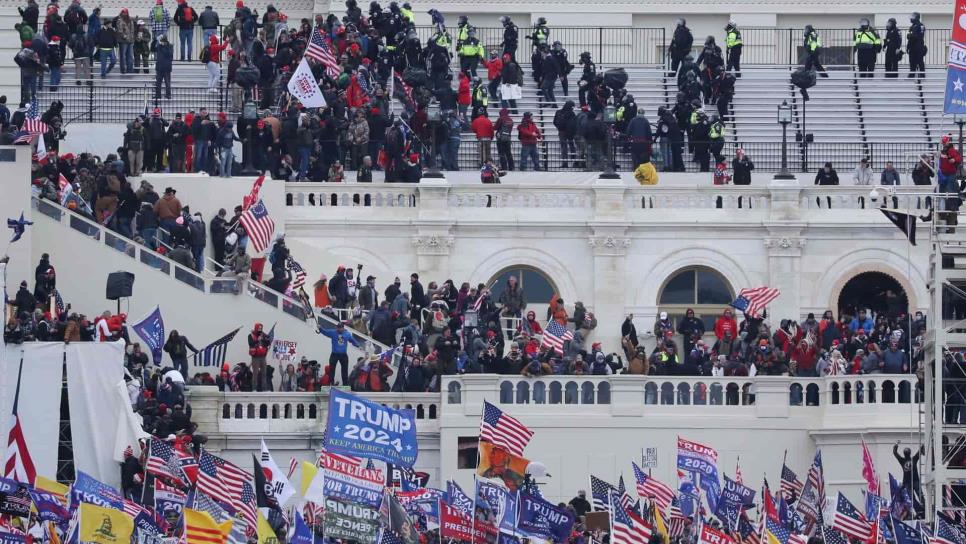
[
  {"x": 433, "y": 240},
  {"x": 610, "y": 243},
  {"x": 785, "y": 245}
]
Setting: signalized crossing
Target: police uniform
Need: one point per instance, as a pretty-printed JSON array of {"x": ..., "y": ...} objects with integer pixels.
[
  {"x": 586, "y": 80},
  {"x": 560, "y": 55},
  {"x": 733, "y": 44},
  {"x": 892, "y": 45},
  {"x": 867, "y": 44},
  {"x": 812, "y": 48},
  {"x": 511, "y": 39},
  {"x": 916, "y": 48},
  {"x": 470, "y": 52}
]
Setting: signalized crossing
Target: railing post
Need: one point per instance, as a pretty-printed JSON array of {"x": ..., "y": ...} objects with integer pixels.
[
  {"x": 600, "y": 42},
  {"x": 90, "y": 99}
]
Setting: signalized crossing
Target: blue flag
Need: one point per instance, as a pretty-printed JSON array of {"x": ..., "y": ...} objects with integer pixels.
[
  {"x": 543, "y": 520},
  {"x": 151, "y": 330},
  {"x": 11, "y": 538},
  {"x": 49, "y": 507},
  {"x": 93, "y": 491},
  {"x": 904, "y": 533},
  {"x": 901, "y": 503},
  {"x": 363, "y": 428},
  {"x": 458, "y": 499},
  {"x": 19, "y": 227},
  {"x": 302, "y": 534}
]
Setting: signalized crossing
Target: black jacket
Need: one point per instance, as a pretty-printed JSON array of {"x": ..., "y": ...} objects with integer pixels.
[
  {"x": 682, "y": 41},
  {"x": 742, "y": 170},
  {"x": 566, "y": 121},
  {"x": 827, "y": 178}
]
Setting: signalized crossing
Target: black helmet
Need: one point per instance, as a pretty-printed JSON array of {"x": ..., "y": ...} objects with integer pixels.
[
  {"x": 730, "y": 26},
  {"x": 407, "y": 5},
  {"x": 557, "y": 45},
  {"x": 696, "y": 103},
  {"x": 892, "y": 22},
  {"x": 541, "y": 20},
  {"x": 863, "y": 23},
  {"x": 709, "y": 40},
  {"x": 661, "y": 111},
  {"x": 505, "y": 20},
  {"x": 681, "y": 22},
  {"x": 681, "y": 97},
  {"x": 809, "y": 29},
  {"x": 915, "y": 17},
  {"x": 569, "y": 104},
  {"x": 462, "y": 19}
]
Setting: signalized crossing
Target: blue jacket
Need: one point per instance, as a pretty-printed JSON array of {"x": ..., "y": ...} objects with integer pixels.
[
  {"x": 163, "y": 58},
  {"x": 867, "y": 324},
  {"x": 340, "y": 342}
]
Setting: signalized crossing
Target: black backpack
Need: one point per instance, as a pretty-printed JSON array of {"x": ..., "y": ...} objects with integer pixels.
[{"x": 205, "y": 55}]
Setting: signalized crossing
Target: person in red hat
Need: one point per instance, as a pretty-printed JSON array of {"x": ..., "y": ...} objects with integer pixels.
[
  {"x": 213, "y": 55},
  {"x": 55, "y": 60},
  {"x": 126, "y": 29}
]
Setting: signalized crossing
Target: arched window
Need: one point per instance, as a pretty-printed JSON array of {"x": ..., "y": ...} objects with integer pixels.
[
  {"x": 697, "y": 287},
  {"x": 537, "y": 287}
]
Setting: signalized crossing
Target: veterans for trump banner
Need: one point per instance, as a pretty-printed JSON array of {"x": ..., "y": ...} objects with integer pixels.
[
  {"x": 363, "y": 428},
  {"x": 305, "y": 88},
  {"x": 352, "y": 483}
]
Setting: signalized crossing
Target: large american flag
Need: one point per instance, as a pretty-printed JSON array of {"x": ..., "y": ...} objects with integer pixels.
[
  {"x": 320, "y": 49},
  {"x": 19, "y": 465},
  {"x": 945, "y": 533},
  {"x": 502, "y": 430},
  {"x": 791, "y": 486},
  {"x": 600, "y": 493},
  {"x": 676, "y": 520},
  {"x": 32, "y": 122},
  {"x": 162, "y": 461},
  {"x": 220, "y": 479},
  {"x": 753, "y": 301},
  {"x": 554, "y": 336},
  {"x": 298, "y": 273},
  {"x": 214, "y": 353},
  {"x": 132, "y": 508},
  {"x": 847, "y": 519},
  {"x": 628, "y": 527},
  {"x": 813, "y": 494},
  {"x": 258, "y": 225},
  {"x": 651, "y": 489},
  {"x": 246, "y": 506}
]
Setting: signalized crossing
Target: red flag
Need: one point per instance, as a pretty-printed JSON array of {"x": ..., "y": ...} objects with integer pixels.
[
  {"x": 770, "y": 509},
  {"x": 19, "y": 464},
  {"x": 252, "y": 197},
  {"x": 868, "y": 470}
]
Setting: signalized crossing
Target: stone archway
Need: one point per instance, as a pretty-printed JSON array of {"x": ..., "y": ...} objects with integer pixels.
[{"x": 879, "y": 291}]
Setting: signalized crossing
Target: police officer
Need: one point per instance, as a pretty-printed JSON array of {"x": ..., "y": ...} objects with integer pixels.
[
  {"x": 586, "y": 77},
  {"x": 867, "y": 45},
  {"x": 481, "y": 98},
  {"x": 409, "y": 18},
  {"x": 724, "y": 91},
  {"x": 560, "y": 55},
  {"x": 716, "y": 137},
  {"x": 626, "y": 111},
  {"x": 671, "y": 139},
  {"x": 549, "y": 73},
  {"x": 540, "y": 32},
  {"x": 681, "y": 44},
  {"x": 733, "y": 45},
  {"x": 813, "y": 46},
  {"x": 700, "y": 135},
  {"x": 511, "y": 37},
  {"x": 470, "y": 52},
  {"x": 892, "y": 46},
  {"x": 709, "y": 59},
  {"x": 916, "y": 46},
  {"x": 463, "y": 28}
]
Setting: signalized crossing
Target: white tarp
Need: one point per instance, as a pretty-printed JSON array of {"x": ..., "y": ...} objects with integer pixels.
[
  {"x": 96, "y": 409},
  {"x": 39, "y": 405}
]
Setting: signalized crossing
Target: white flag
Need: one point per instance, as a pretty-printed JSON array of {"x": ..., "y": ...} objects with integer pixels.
[
  {"x": 304, "y": 87},
  {"x": 275, "y": 478}
]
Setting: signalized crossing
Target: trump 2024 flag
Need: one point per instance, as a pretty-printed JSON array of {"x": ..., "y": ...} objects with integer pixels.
[
  {"x": 304, "y": 87},
  {"x": 956, "y": 68}
]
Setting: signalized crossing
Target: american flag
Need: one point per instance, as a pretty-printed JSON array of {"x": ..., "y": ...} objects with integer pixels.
[
  {"x": 753, "y": 301},
  {"x": 502, "y": 430},
  {"x": 214, "y": 353},
  {"x": 747, "y": 531},
  {"x": 945, "y": 533},
  {"x": 132, "y": 508},
  {"x": 831, "y": 536},
  {"x": 650, "y": 488},
  {"x": 298, "y": 273},
  {"x": 292, "y": 465},
  {"x": 258, "y": 225},
  {"x": 32, "y": 122},
  {"x": 625, "y": 499},
  {"x": 246, "y": 505},
  {"x": 600, "y": 493},
  {"x": 791, "y": 486},
  {"x": 59, "y": 302},
  {"x": 676, "y": 520},
  {"x": 320, "y": 49},
  {"x": 162, "y": 461},
  {"x": 813, "y": 494},
  {"x": 847, "y": 519},
  {"x": 220, "y": 479},
  {"x": 23, "y": 137},
  {"x": 628, "y": 527},
  {"x": 388, "y": 537},
  {"x": 19, "y": 464},
  {"x": 204, "y": 503},
  {"x": 738, "y": 477},
  {"x": 776, "y": 533},
  {"x": 554, "y": 335}
]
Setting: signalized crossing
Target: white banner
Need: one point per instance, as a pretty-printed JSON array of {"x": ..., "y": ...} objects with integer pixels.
[
  {"x": 305, "y": 88},
  {"x": 285, "y": 351},
  {"x": 96, "y": 409},
  {"x": 39, "y": 404}
]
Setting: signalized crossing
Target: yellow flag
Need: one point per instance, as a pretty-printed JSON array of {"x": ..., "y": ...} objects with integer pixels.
[
  {"x": 51, "y": 486},
  {"x": 265, "y": 533},
  {"x": 104, "y": 525},
  {"x": 659, "y": 523},
  {"x": 309, "y": 470},
  {"x": 313, "y": 487},
  {"x": 200, "y": 528}
]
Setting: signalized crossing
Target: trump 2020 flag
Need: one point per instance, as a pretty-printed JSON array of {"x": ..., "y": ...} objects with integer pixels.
[
  {"x": 151, "y": 330},
  {"x": 956, "y": 68},
  {"x": 304, "y": 87}
]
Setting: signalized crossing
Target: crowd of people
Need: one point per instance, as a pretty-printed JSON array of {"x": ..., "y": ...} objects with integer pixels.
[{"x": 379, "y": 61}]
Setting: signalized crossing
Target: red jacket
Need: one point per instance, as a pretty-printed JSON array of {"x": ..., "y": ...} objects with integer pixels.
[
  {"x": 355, "y": 96},
  {"x": 463, "y": 95},
  {"x": 493, "y": 68},
  {"x": 724, "y": 324},
  {"x": 949, "y": 160},
  {"x": 214, "y": 51},
  {"x": 482, "y": 127},
  {"x": 528, "y": 132}
]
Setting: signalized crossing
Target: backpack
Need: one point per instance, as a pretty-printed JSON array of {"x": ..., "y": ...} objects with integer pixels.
[
  {"x": 72, "y": 17},
  {"x": 205, "y": 55},
  {"x": 439, "y": 320},
  {"x": 157, "y": 14},
  {"x": 188, "y": 15},
  {"x": 487, "y": 175}
]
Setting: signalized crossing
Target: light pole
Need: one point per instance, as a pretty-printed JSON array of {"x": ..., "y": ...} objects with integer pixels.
[
  {"x": 784, "y": 119},
  {"x": 610, "y": 113},
  {"x": 433, "y": 116},
  {"x": 250, "y": 115}
]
